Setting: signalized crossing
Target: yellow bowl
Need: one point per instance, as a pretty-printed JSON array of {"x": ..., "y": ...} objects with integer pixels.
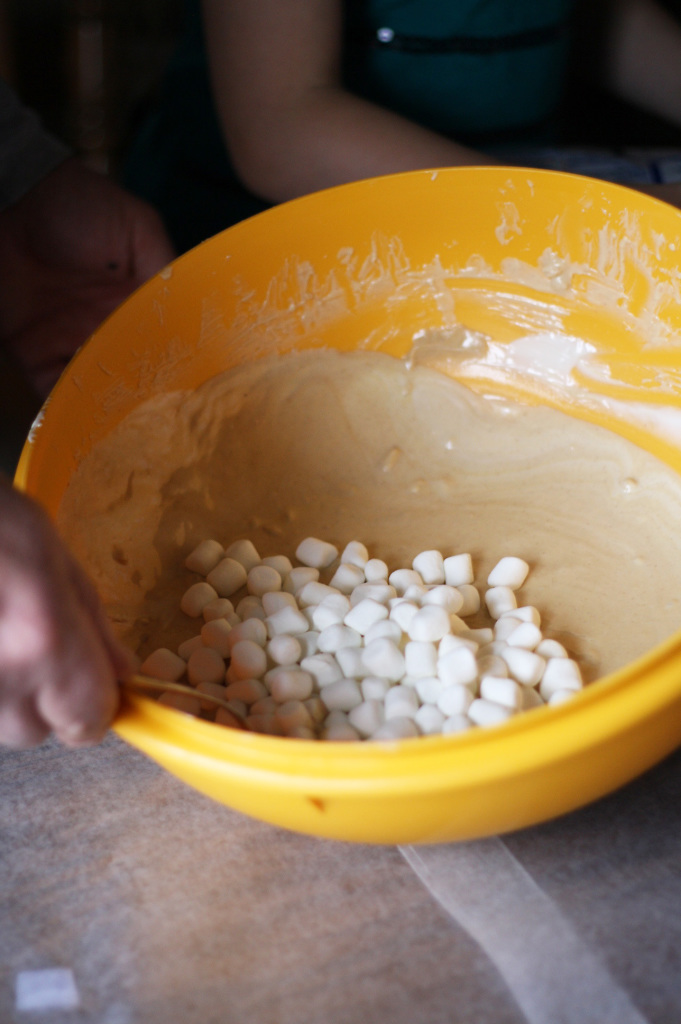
[{"x": 371, "y": 265}]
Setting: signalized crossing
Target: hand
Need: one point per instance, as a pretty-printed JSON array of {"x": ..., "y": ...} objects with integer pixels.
[
  {"x": 59, "y": 662},
  {"x": 71, "y": 250}
]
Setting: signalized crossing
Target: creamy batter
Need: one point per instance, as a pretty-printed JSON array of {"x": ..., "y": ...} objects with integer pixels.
[{"x": 363, "y": 446}]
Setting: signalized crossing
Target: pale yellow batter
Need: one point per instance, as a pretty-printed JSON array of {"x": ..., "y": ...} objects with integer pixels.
[{"x": 359, "y": 446}]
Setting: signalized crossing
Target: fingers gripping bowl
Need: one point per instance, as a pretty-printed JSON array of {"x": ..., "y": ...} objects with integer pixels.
[{"x": 431, "y": 264}]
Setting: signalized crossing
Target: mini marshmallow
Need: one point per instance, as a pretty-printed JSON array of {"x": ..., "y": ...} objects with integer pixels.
[
  {"x": 458, "y": 666},
  {"x": 504, "y": 626},
  {"x": 499, "y": 600},
  {"x": 508, "y": 572},
  {"x": 333, "y": 638},
  {"x": 205, "y": 666},
  {"x": 367, "y": 717},
  {"x": 316, "y": 708},
  {"x": 385, "y": 628},
  {"x": 223, "y": 717},
  {"x": 401, "y": 702},
  {"x": 323, "y": 668},
  {"x": 402, "y": 613},
  {"x": 244, "y": 552},
  {"x": 249, "y": 661},
  {"x": 415, "y": 592},
  {"x": 449, "y": 598},
  {"x": 318, "y": 554},
  {"x": 530, "y": 699},
  {"x": 181, "y": 702},
  {"x": 219, "y": 608},
  {"x": 485, "y": 713},
  {"x": 560, "y": 674},
  {"x": 264, "y": 705},
  {"x": 301, "y": 732},
  {"x": 430, "y": 623},
  {"x": 380, "y": 592},
  {"x": 251, "y": 607},
  {"x": 429, "y": 720},
  {"x": 291, "y": 715},
  {"x": 308, "y": 642},
  {"x": 430, "y": 566},
  {"x": 186, "y": 648},
  {"x": 481, "y": 637},
  {"x": 284, "y": 649},
  {"x": 279, "y": 562},
  {"x": 247, "y": 690},
  {"x": 340, "y": 732},
  {"x": 314, "y": 592},
  {"x": 397, "y": 729},
  {"x": 458, "y": 570},
  {"x": 450, "y": 641},
  {"x": 365, "y": 614},
  {"x": 355, "y": 553},
  {"x": 501, "y": 690},
  {"x": 274, "y": 600},
  {"x": 195, "y": 599},
  {"x": 525, "y": 635},
  {"x": 383, "y": 657},
  {"x": 266, "y": 724},
  {"x": 350, "y": 662},
  {"x": 212, "y": 690},
  {"x": 249, "y": 629},
  {"x": 560, "y": 696},
  {"x": 205, "y": 557},
  {"x": 400, "y": 579},
  {"x": 298, "y": 577},
  {"x": 527, "y": 613},
  {"x": 376, "y": 570},
  {"x": 429, "y": 688},
  {"x": 331, "y": 611},
  {"x": 492, "y": 665},
  {"x": 163, "y": 664},
  {"x": 374, "y": 687},
  {"x": 420, "y": 659},
  {"x": 456, "y": 723},
  {"x": 525, "y": 666},
  {"x": 289, "y": 684},
  {"x": 286, "y": 620},
  {"x": 454, "y": 700},
  {"x": 215, "y": 634},
  {"x": 343, "y": 695},
  {"x": 347, "y": 577},
  {"x": 227, "y": 577},
  {"x": 551, "y": 649},
  {"x": 471, "y": 600},
  {"x": 262, "y": 579}
]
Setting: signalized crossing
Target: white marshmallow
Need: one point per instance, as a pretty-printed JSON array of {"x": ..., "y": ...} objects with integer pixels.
[
  {"x": 367, "y": 717},
  {"x": 264, "y": 705},
  {"x": 449, "y": 598},
  {"x": 223, "y": 717},
  {"x": 531, "y": 698},
  {"x": 347, "y": 577},
  {"x": 219, "y": 608},
  {"x": 286, "y": 683},
  {"x": 485, "y": 713},
  {"x": 430, "y": 623},
  {"x": 350, "y": 662},
  {"x": 317, "y": 708},
  {"x": 492, "y": 665},
  {"x": 374, "y": 688},
  {"x": 525, "y": 635},
  {"x": 308, "y": 642},
  {"x": 481, "y": 637},
  {"x": 244, "y": 552},
  {"x": 355, "y": 553},
  {"x": 458, "y": 570},
  {"x": 551, "y": 649},
  {"x": 340, "y": 731},
  {"x": 205, "y": 666},
  {"x": 343, "y": 695},
  {"x": 500, "y": 600},
  {"x": 430, "y": 566},
  {"x": 298, "y": 577},
  {"x": 429, "y": 720},
  {"x": 274, "y": 600},
  {"x": 365, "y": 614},
  {"x": 402, "y": 613},
  {"x": 249, "y": 629},
  {"x": 315, "y": 592},
  {"x": 458, "y": 666},
  {"x": 415, "y": 592},
  {"x": 262, "y": 579},
  {"x": 215, "y": 634},
  {"x": 247, "y": 690},
  {"x": 251, "y": 607},
  {"x": 318, "y": 554},
  {"x": 560, "y": 696},
  {"x": 195, "y": 599},
  {"x": 471, "y": 600},
  {"x": 420, "y": 659},
  {"x": 205, "y": 557},
  {"x": 400, "y": 579},
  {"x": 331, "y": 611},
  {"x": 504, "y": 626},
  {"x": 501, "y": 690},
  {"x": 527, "y": 613},
  {"x": 454, "y": 700},
  {"x": 429, "y": 688},
  {"x": 249, "y": 661},
  {"x": 508, "y": 572},
  {"x": 560, "y": 674},
  {"x": 163, "y": 664},
  {"x": 456, "y": 723},
  {"x": 284, "y": 649},
  {"x": 333, "y": 638},
  {"x": 227, "y": 577},
  {"x": 376, "y": 570},
  {"x": 286, "y": 620},
  {"x": 279, "y": 562},
  {"x": 266, "y": 724},
  {"x": 212, "y": 690},
  {"x": 181, "y": 702},
  {"x": 381, "y": 592},
  {"x": 401, "y": 702},
  {"x": 525, "y": 666},
  {"x": 383, "y": 657},
  {"x": 323, "y": 668},
  {"x": 451, "y": 641},
  {"x": 291, "y": 715},
  {"x": 397, "y": 729},
  {"x": 186, "y": 648},
  {"x": 387, "y": 628}
]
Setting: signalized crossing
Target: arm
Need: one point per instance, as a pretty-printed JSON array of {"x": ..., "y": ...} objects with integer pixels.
[{"x": 290, "y": 126}]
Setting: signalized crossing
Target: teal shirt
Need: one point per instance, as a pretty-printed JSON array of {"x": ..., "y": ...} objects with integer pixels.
[{"x": 484, "y": 72}]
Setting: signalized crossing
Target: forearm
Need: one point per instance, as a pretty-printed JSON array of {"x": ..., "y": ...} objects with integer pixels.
[{"x": 643, "y": 57}]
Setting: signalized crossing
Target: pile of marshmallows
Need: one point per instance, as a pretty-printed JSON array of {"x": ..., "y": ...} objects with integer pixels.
[{"x": 370, "y": 654}]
